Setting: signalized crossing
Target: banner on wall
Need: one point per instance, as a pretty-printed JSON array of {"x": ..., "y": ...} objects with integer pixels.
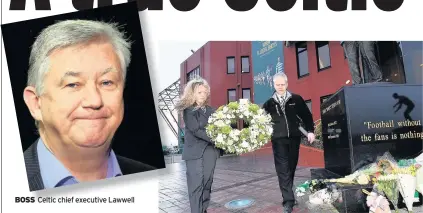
[{"x": 267, "y": 58}]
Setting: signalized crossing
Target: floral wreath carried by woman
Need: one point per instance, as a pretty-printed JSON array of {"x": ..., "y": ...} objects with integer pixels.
[{"x": 242, "y": 141}]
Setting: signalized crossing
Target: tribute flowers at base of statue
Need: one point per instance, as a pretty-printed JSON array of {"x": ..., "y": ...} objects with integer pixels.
[
  {"x": 388, "y": 184},
  {"x": 407, "y": 184},
  {"x": 419, "y": 180},
  {"x": 419, "y": 174}
]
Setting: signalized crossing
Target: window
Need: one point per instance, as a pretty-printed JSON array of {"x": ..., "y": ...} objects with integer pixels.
[
  {"x": 195, "y": 73},
  {"x": 231, "y": 95},
  {"x": 246, "y": 93},
  {"x": 230, "y": 63},
  {"x": 323, "y": 55},
  {"x": 245, "y": 64},
  {"x": 308, "y": 102},
  {"x": 302, "y": 59},
  {"x": 324, "y": 98}
]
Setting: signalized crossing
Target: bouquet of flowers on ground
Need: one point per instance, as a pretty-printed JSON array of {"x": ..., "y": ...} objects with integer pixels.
[
  {"x": 302, "y": 189},
  {"x": 419, "y": 173},
  {"x": 355, "y": 178},
  {"x": 384, "y": 165},
  {"x": 387, "y": 181},
  {"x": 407, "y": 183},
  {"x": 324, "y": 193},
  {"x": 363, "y": 176},
  {"x": 310, "y": 187},
  {"x": 320, "y": 191},
  {"x": 387, "y": 164},
  {"x": 388, "y": 185},
  {"x": 419, "y": 180}
]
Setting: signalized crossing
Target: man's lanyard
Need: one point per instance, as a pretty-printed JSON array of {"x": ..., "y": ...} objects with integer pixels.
[{"x": 283, "y": 99}]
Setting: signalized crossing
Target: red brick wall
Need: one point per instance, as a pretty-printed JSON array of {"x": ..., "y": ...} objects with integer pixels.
[
  {"x": 317, "y": 84},
  {"x": 212, "y": 61}
]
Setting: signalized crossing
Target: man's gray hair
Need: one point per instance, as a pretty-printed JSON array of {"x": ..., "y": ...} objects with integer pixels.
[
  {"x": 280, "y": 75},
  {"x": 69, "y": 33}
]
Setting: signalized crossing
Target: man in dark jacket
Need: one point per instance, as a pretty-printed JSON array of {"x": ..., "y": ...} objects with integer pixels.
[{"x": 288, "y": 110}]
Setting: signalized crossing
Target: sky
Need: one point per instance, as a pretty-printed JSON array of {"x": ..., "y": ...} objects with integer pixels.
[{"x": 166, "y": 71}]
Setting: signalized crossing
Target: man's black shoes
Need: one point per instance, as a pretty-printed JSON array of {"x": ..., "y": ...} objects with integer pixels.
[
  {"x": 287, "y": 209},
  {"x": 288, "y": 206}
]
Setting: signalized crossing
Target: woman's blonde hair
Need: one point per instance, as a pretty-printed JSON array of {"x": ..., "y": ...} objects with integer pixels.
[{"x": 188, "y": 97}]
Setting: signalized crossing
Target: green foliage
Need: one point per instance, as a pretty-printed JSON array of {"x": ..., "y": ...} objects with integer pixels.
[
  {"x": 253, "y": 108},
  {"x": 233, "y": 105},
  {"x": 226, "y": 129}
]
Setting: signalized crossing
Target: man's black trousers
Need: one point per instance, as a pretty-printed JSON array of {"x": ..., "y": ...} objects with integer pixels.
[{"x": 285, "y": 153}]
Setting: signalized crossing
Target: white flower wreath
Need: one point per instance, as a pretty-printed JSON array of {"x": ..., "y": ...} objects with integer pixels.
[{"x": 242, "y": 141}]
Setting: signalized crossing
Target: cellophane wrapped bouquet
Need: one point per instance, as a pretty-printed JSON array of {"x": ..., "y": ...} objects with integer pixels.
[
  {"x": 386, "y": 182},
  {"x": 406, "y": 173},
  {"x": 419, "y": 173}
]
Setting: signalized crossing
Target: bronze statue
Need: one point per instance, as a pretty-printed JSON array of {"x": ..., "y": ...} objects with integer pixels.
[{"x": 367, "y": 51}]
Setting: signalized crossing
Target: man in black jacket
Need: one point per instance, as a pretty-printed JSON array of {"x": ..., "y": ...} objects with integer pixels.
[{"x": 287, "y": 111}]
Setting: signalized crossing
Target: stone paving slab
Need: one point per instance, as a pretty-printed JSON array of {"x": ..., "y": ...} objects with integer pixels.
[{"x": 236, "y": 178}]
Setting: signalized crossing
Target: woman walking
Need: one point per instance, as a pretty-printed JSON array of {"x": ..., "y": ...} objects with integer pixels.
[{"x": 199, "y": 152}]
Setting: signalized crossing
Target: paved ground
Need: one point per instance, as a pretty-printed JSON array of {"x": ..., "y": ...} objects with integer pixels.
[{"x": 235, "y": 177}]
